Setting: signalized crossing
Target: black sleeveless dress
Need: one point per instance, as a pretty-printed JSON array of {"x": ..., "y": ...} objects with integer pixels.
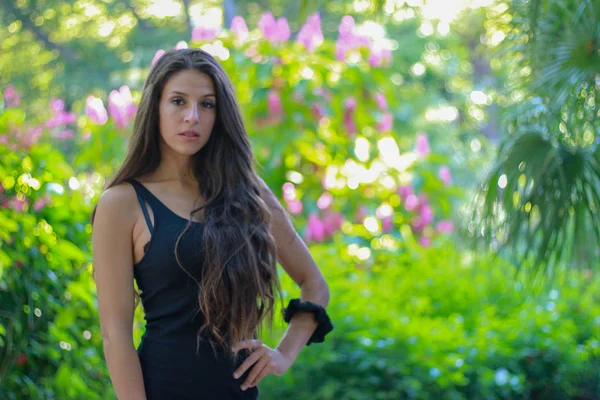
[{"x": 171, "y": 367}]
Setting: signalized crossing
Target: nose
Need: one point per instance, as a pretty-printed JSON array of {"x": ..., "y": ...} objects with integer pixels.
[{"x": 191, "y": 115}]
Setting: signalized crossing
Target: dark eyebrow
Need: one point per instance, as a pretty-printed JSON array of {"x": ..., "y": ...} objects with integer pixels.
[{"x": 185, "y": 94}]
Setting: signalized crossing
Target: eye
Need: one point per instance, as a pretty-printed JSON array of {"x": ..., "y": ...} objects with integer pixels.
[
  {"x": 208, "y": 104},
  {"x": 177, "y": 101}
]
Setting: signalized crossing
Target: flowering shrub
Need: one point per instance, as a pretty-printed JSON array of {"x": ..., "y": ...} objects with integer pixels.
[
  {"x": 327, "y": 127},
  {"x": 322, "y": 120}
]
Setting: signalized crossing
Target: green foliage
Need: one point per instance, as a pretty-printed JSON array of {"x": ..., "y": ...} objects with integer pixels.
[
  {"x": 49, "y": 334},
  {"x": 51, "y": 338},
  {"x": 438, "y": 323},
  {"x": 410, "y": 322},
  {"x": 542, "y": 196}
]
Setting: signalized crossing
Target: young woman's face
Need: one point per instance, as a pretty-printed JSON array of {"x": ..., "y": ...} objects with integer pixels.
[{"x": 187, "y": 112}]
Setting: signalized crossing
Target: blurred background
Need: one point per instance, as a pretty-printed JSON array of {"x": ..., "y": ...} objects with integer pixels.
[{"x": 439, "y": 157}]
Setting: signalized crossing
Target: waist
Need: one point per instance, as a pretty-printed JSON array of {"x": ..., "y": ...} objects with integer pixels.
[{"x": 187, "y": 357}]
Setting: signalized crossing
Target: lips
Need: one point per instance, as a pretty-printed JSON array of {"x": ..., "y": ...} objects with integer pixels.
[{"x": 190, "y": 134}]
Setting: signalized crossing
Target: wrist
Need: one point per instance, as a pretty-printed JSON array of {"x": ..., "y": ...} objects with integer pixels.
[
  {"x": 288, "y": 354},
  {"x": 315, "y": 311}
]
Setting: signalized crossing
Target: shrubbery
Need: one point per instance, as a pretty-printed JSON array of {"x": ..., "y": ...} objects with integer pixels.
[
  {"x": 439, "y": 323},
  {"x": 330, "y": 131}
]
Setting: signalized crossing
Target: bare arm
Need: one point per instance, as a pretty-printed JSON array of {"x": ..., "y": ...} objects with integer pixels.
[
  {"x": 296, "y": 260},
  {"x": 113, "y": 263},
  {"x": 294, "y": 257}
]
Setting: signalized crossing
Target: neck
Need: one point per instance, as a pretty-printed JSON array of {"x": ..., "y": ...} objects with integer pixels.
[{"x": 175, "y": 167}]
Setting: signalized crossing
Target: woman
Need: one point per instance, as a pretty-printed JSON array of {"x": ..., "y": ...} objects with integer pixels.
[{"x": 188, "y": 219}]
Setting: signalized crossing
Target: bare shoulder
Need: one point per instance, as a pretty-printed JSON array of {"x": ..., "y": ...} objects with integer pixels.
[
  {"x": 268, "y": 197},
  {"x": 282, "y": 227},
  {"x": 117, "y": 203},
  {"x": 114, "y": 222}
]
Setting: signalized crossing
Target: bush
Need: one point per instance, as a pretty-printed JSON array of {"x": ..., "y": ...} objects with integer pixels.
[
  {"x": 438, "y": 323},
  {"x": 49, "y": 334},
  {"x": 410, "y": 322}
]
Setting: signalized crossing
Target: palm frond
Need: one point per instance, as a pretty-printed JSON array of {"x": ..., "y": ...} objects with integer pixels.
[{"x": 541, "y": 202}]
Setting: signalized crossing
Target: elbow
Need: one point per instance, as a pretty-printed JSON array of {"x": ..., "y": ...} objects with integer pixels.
[
  {"x": 325, "y": 293},
  {"x": 116, "y": 338},
  {"x": 317, "y": 290}
]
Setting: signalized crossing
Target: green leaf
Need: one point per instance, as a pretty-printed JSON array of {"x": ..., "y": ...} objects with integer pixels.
[{"x": 70, "y": 251}]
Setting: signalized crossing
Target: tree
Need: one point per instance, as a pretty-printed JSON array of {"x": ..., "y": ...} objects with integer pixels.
[{"x": 542, "y": 196}]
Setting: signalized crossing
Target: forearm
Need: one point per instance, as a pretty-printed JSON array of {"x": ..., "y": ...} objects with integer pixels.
[
  {"x": 303, "y": 324},
  {"x": 125, "y": 370}
]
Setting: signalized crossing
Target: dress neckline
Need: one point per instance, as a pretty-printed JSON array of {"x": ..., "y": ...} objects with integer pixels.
[{"x": 166, "y": 207}]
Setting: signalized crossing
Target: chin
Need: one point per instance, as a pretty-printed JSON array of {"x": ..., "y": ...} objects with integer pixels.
[{"x": 189, "y": 151}]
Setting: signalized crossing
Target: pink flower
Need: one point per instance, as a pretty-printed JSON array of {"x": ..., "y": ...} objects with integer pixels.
[
  {"x": 387, "y": 224},
  {"x": 239, "y": 28},
  {"x": 348, "y": 39},
  {"x": 121, "y": 107},
  {"x": 294, "y": 207},
  {"x": 424, "y": 241},
  {"x": 284, "y": 29},
  {"x": 94, "y": 108},
  {"x": 445, "y": 226},
  {"x": 350, "y": 104},
  {"x": 39, "y": 204},
  {"x": 340, "y": 50},
  {"x": 332, "y": 222},
  {"x": 348, "y": 117},
  {"x": 423, "y": 145},
  {"x": 289, "y": 191},
  {"x": 200, "y": 33},
  {"x": 29, "y": 137},
  {"x": 316, "y": 228},
  {"x": 361, "y": 214},
  {"x": 60, "y": 117},
  {"x": 405, "y": 191},
  {"x": 57, "y": 105},
  {"x": 11, "y": 97},
  {"x": 381, "y": 101},
  {"x": 426, "y": 214},
  {"x": 386, "y": 123},
  {"x": 3, "y": 140},
  {"x": 274, "y": 103},
  {"x": 324, "y": 201},
  {"x": 418, "y": 224},
  {"x": 346, "y": 27},
  {"x": 310, "y": 34},
  {"x": 445, "y": 175},
  {"x": 157, "y": 56},
  {"x": 318, "y": 111},
  {"x": 65, "y": 134},
  {"x": 411, "y": 203},
  {"x": 274, "y": 31},
  {"x": 268, "y": 26},
  {"x": 18, "y": 205},
  {"x": 350, "y": 124},
  {"x": 379, "y": 55}
]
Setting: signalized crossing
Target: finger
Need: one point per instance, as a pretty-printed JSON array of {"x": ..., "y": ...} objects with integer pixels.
[
  {"x": 255, "y": 372},
  {"x": 268, "y": 368},
  {"x": 255, "y": 356},
  {"x": 247, "y": 344}
]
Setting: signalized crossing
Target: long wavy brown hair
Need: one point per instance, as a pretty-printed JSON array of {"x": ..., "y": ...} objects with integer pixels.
[{"x": 238, "y": 286}]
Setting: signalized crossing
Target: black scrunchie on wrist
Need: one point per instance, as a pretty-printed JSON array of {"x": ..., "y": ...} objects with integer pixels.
[{"x": 325, "y": 326}]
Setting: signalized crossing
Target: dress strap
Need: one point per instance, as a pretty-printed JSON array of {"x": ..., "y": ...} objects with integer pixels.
[{"x": 144, "y": 195}]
